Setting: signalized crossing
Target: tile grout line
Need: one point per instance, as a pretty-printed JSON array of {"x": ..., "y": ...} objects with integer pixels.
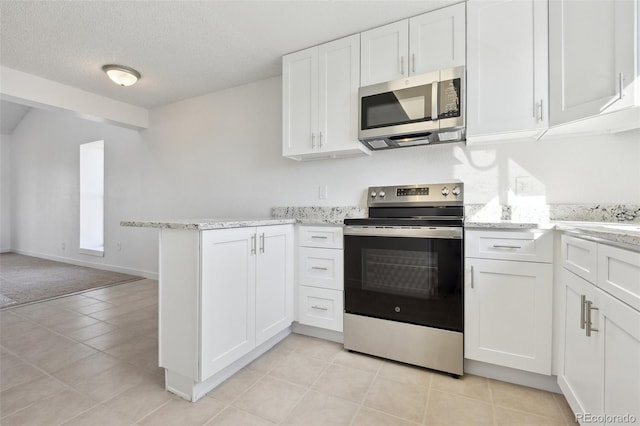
[
  {"x": 366, "y": 394},
  {"x": 425, "y": 411},
  {"x": 309, "y": 388}
]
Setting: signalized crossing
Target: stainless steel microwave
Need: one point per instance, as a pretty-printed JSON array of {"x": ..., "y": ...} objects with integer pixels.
[{"x": 418, "y": 110}]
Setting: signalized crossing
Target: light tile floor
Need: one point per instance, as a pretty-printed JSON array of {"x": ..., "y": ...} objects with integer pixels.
[{"x": 91, "y": 359}]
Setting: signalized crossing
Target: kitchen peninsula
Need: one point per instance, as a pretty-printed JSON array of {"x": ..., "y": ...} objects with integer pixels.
[{"x": 226, "y": 296}]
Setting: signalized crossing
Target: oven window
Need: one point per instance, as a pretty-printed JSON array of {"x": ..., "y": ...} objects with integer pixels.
[
  {"x": 403, "y": 272},
  {"x": 413, "y": 280}
]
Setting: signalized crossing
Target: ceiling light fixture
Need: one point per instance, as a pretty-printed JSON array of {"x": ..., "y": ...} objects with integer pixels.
[{"x": 121, "y": 75}]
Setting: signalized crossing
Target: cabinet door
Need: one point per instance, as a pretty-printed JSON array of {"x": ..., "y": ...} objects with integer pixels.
[
  {"x": 274, "y": 281},
  {"x": 506, "y": 69},
  {"x": 580, "y": 375},
  {"x": 592, "y": 53},
  {"x": 437, "y": 40},
  {"x": 300, "y": 102},
  {"x": 384, "y": 53},
  {"x": 619, "y": 327},
  {"x": 508, "y": 310},
  {"x": 227, "y": 309},
  {"x": 339, "y": 80}
]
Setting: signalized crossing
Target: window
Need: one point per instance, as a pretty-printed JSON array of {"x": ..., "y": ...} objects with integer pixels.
[{"x": 92, "y": 198}]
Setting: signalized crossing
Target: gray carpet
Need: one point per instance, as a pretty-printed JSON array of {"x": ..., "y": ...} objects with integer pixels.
[{"x": 25, "y": 279}]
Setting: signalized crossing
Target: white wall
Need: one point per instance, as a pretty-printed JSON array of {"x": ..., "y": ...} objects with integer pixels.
[
  {"x": 5, "y": 193},
  {"x": 219, "y": 155},
  {"x": 45, "y": 182}
]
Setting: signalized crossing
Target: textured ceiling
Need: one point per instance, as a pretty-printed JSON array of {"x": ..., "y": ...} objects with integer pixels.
[{"x": 181, "y": 48}]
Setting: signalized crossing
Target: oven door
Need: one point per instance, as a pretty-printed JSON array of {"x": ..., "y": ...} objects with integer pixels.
[{"x": 412, "y": 275}]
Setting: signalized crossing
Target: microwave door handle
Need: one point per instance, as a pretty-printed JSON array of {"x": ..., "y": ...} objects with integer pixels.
[{"x": 434, "y": 101}]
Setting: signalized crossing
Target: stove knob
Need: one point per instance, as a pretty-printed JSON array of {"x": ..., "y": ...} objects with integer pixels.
[
  {"x": 373, "y": 194},
  {"x": 455, "y": 191},
  {"x": 445, "y": 191},
  {"x": 382, "y": 194}
]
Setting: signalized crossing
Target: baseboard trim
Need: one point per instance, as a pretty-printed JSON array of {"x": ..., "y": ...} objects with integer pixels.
[
  {"x": 320, "y": 333},
  {"x": 511, "y": 375},
  {"x": 103, "y": 266}
]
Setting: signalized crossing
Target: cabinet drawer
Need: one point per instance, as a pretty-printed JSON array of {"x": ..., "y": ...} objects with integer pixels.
[
  {"x": 528, "y": 246},
  {"x": 320, "y": 267},
  {"x": 321, "y": 236},
  {"x": 619, "y": 273},
  {"x": 579, "y": 256},
  {"x": 320, "y": 307}
]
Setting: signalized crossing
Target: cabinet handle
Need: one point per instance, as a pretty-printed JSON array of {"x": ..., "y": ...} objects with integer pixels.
[
  {"x": 262, "y": 243},
  {"x": 590, "y": 308},
  {"x": 471, "y": 280},
  {"x": 434, "y": 101},
  {"x": 500, "y": 246},
  {"x": 621, "y": 86},
  {"x": 313, "y": 140},
  {"x": 320, "y": 139},
  {"x": 583, "y": 303},
  {"x": 320, "y": 268},
  {"x": 321, "y": 237},
  {"x": 320, "y": 308},
  {"x": 253, "y": 244},
  {"x": 402, "y": 65},
  {"x": 413, "y": 61},
  {"x": 539, "y": 110}
]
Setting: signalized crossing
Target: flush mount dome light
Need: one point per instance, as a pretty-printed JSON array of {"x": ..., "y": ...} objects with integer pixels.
[{"x": 121, "y": 75}]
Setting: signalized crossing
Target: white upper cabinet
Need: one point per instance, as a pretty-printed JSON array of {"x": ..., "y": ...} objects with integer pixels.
[
  {"x": 320, "y": 101},
  {"x": 384, "y": 53},
  {"x": 507, "y": 83},
  {"x": 593, "y": 53},
  {"x": 418, "y": 45},
  {"x": 437, "y": 40},
  {"x": 300, "y": 101}
]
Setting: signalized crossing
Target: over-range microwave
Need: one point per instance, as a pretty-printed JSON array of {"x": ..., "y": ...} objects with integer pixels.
[{"x": 418, "y": 110}]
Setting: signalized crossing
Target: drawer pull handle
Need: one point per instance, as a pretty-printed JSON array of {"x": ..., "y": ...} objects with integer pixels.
[
  {"x": 321, "y": 237},
  {"x": 583, "y": 303},
  {"x": 320, "y": 268},
  {"x": 320, "y": 308},
  {"x": 499, "y": 246}
]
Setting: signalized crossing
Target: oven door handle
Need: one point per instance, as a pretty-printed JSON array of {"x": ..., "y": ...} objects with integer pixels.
[{"x": 437, "y": 232}]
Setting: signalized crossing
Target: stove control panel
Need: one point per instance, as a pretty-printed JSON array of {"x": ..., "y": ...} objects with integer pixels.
[{"x": 416, "y": 195}]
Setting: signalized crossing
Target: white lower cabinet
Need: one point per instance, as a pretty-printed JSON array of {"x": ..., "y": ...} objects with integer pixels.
[
  {"x": 223, "y": 293},
  {"x": 247, "y": 291},
  {"x": 599, "y": 372},
  {"x": 320, "y": 307},
  {"x": 508, "y": 303},
  {"x": 320, "y": 277},
  {"x": 508, "y": 314},
  {"x": 228, "y": 298}
]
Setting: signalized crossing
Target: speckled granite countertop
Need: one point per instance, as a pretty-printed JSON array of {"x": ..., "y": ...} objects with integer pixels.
[
  {"x": 625, "y": 235},
  {"x": 204, "y": 224}
]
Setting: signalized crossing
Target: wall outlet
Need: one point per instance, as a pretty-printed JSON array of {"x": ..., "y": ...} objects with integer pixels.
[
  {"x": 322, "y": 192},
  {"x": 118, "y": 246},
  {"x": 63, "y": 246}
]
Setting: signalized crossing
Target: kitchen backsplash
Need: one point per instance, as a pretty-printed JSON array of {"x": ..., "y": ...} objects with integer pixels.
[
  {"x": 318, "y": 214},
  {"x": 482, "y": 213},
  {"x": 553, "y": 212}
]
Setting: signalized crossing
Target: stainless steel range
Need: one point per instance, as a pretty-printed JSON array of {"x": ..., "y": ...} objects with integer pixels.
[{"x": 403, "y": 276}]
